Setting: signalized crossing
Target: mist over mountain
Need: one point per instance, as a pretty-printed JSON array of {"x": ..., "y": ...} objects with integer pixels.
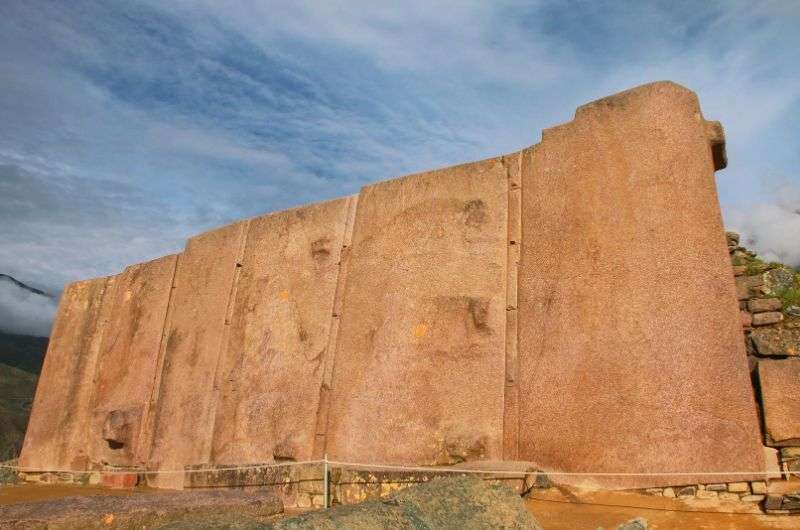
[{"x": 25, "y": 310}]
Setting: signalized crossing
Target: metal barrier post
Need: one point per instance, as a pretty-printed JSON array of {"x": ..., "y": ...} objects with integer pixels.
[{"x": 325, "y": 482}]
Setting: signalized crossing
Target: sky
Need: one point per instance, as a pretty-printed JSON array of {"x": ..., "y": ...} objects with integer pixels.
[{"x": 126, "y": 127}]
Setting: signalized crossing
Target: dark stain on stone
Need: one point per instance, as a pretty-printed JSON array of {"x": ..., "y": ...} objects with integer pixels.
[
  {"x": 173, "y": 340},
  {"x": 302, "y": 333},
  {"x": 479, "y": 311},
  {"x": 320, "y": 249},
  {"x": 475, "y": 211}
]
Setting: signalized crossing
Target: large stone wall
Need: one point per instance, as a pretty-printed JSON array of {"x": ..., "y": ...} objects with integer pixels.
[
  {"x": 570, "y": 305},
  {"x": 631, "y": 335}
]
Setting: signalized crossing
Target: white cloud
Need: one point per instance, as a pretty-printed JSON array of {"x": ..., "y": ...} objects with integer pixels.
[
  {"x": 128, "y": 127},
  {"x": 24, "y": 312},
  {"x": 772, "y": 227}
]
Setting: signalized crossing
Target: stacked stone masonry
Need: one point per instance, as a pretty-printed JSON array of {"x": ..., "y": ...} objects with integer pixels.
[{"x": 458, "y": 315}]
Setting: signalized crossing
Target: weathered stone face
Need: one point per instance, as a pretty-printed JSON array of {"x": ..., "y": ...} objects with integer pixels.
[
  {"x": 571, "y": 305},
  {"x": 182, "y": 417},
  {"x": 419, "y": 366},
  {"x": 56, "y": 435},
  {"x": 272, "y": 366},
  {"x": 779, "y": 381},
  {"x": 127, "y": 363},
  {"x": 779, "y": 340},
  {"x": 629, "y": 342}
]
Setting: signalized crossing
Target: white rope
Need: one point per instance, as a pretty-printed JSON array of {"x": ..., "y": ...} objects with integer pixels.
[
  {"x": 426, "y": 469},
  {"x": 552, "y": 473},
  {"x": 163, "y": 471}
]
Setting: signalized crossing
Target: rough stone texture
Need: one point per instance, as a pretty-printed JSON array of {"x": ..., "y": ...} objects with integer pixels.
[
  {"x": 780, "y": 397},
  {"x": 442, "y": 503},
  {"x": 639, "y": 523},
  {"x": 272, "y": 368},
  {"x": 420, "y": 363},
  {"x": 60, "y": 416},
  {"x": 119, "y": 480},
  {"x": 193, "y": 510},
  {"x": 748, "y": 286},
  {"x": 619, "y": 315},
  {"x": 571, "y": 305},
  {"x": 128, "y": 360},
  {"x": 780, "y": 340},
  {"x": 760, "y": 305},
  {"x": 764, "y": 319},
  {"x": 195, "y": 332}
]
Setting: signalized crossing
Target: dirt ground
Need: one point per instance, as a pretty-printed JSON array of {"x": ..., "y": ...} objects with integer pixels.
[
  {"x": 553, "y": 509},
  {"x": 557, "y": 510},
  {"x": 31, "y": 506}
]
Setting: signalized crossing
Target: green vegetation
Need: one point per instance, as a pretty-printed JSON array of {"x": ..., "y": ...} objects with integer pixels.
[
  {"x": 22, "y": 351},
  {"x": 757, "y": 266},
  {"x": 790, "y": 295},
  {"x": 21, "y": 359},
  {"x": 785, "y": 282},
  {"x": 16, "y": 395}
]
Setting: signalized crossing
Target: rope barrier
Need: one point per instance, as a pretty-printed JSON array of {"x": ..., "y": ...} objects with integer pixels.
[
  {"x": 553, "y": 473},
  {"x": 637, "y": 507},
  {"x": 435, "y": 469},
  {"x": 164, "y": 471},
  {"x": 426, "y": 469}
]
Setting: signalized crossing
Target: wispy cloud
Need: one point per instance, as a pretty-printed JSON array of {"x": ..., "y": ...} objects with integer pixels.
[
  {"x": 127, "y": 127},
  {"x": 23, "y": 311},
  {"x": 772, "y": 225}
]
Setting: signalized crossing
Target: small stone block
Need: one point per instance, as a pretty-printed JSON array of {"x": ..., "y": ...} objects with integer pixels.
[
  {"x": 669, "y": 492},
  {"x": 790, "y": 453},
  {"x": 119, "y": 480},
  {"x": 654, "y": 491},
  {"x": 727, "y": 496},
  {"x": 304, "y": 500},
  {"x": 761, "y": 305},
  {"x": 773, "y": 502},
  {"x": 759, "y": 488},
  {"x": 317, "y": 501},
  {"x": 747, "y": 319},
  {"x": 687, "y": 491},
  {"x": 765, "y": 319},
  {"x": 706, "y": 494},
  {"x": 778, "y": 512},
  {"x": 739, "y": 487},
  {"x": 717, "y": 487},
  {"x": 752, "y": 498}
]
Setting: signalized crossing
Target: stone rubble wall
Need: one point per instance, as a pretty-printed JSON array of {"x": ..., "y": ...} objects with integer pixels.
[{"x": 569, "y": 305}]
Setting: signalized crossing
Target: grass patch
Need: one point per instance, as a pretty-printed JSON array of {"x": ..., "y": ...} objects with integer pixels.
[
  {"x": 790, "y": 295},
  {"x": 16, "y": 396}
]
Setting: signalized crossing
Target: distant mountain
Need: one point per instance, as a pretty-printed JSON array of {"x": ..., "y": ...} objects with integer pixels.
[
  {"x": 16, "y": 396},
  {"x": 25, "y": 287},
  {"x": 21, "y": 358},
  {"x": 25, "y": 310},
  {"x": 26, "y": 313},
  {"x": 23, "y": 351}
]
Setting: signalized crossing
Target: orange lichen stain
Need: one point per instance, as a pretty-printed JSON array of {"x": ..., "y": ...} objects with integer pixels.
[
  {"x": 419, "y": 330},
  {"x": 283, "y": 295},
  {"x": 108, "y": 518}
]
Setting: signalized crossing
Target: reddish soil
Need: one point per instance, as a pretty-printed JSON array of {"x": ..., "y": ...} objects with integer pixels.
[{"x": 567, "y": 511}]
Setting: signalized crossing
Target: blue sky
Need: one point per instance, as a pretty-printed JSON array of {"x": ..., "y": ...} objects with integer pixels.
[{"x": 127, "y": 126}]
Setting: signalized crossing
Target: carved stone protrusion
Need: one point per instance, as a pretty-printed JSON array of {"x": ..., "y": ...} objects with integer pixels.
[
  {"x": 117, "y": 429},
  {"x": 716, "y": 139}
]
